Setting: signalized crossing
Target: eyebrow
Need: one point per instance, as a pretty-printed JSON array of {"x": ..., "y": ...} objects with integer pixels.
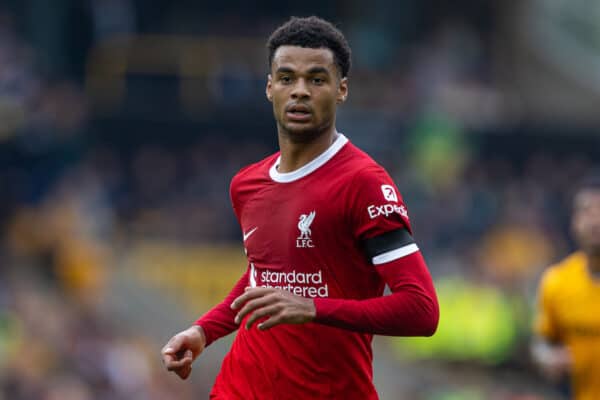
[
  {"x": 311, "y": 71},
  {"x": 318, "y": 70},
  {"x": 284, "y": 70}
]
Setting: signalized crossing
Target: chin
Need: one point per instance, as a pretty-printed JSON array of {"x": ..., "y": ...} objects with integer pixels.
[
  {"x": 592, "y": 249},
  {"x": 302, "y": 133}
]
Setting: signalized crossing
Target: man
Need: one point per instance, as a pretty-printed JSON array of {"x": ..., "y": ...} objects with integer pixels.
[
  {"x": 325, "y": 230},
  {"x": 567, "y": 325}
]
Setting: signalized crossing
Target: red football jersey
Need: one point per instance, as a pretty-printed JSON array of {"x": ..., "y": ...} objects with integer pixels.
[{"x": 304, "y": 232}]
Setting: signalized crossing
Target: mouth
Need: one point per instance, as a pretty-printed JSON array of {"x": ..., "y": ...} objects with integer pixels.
[{"x": 298, "y": 113}]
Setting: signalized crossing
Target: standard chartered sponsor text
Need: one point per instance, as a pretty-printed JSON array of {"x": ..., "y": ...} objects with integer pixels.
[{"x": 305, "y": 284}]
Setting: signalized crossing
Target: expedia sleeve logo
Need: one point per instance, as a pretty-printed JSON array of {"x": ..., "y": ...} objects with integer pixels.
[
  {"x": 385, "y": 210},
  {"x": 389, "y": 193}
]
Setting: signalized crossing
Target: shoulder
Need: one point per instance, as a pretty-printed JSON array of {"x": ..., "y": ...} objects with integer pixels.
[
  {"x": 358, "y": 157},
  {"x": 250, "y": 179},
  {"x": 357, "y": 179},
  {"x": 373, "y": 203},
  {"x": 368, "y": 174},
  {"x": 360, "y": 166},
  {"x": 556, "y": 275},
  {"x": 253, "y": 172}
]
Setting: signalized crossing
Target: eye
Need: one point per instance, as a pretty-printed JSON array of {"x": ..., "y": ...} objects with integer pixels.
[
  {"x": 318, "y": 81},
  {"x": 285, "y": 79}
]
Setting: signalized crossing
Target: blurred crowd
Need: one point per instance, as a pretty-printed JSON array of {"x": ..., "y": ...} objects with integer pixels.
[
  {"x": 54, "y": 346},
  {"x": 76, "y": 198}
]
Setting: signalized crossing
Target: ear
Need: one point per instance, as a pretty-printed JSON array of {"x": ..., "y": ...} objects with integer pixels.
[
  {"x": 342, "y": 93},
  {"x": 269, "y": 86}
]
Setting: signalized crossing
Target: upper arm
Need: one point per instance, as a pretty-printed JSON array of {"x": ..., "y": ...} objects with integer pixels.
[
  {"x": 379, "y": 218},
  {"x": 234, "y": 197},
  {"x": 381, "y": 225},
  {"x": 375, "y": 205},
  {"x": 545, "y": 324}
]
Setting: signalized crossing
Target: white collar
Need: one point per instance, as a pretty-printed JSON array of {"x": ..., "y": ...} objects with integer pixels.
[{"x": 310, "y": 167}]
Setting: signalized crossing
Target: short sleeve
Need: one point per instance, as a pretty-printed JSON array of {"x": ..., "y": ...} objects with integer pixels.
[
  {"x": 545, "y": 320},
  {"x": 376, "y": 206}
]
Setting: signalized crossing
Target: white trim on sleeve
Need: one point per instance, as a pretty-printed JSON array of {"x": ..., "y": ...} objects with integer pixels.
[{"x": 395, "y": 254}]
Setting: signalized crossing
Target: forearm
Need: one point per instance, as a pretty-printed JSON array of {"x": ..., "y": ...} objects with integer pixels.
[
  {"x": 399, "y": 314},
  {"x": 411, "y": 310},
  {"x": 541, "y": 350},
  {"x": 219, "y": 321},
  {"x": 553, "y": 359},
  {"x": 545, "y": 352}
]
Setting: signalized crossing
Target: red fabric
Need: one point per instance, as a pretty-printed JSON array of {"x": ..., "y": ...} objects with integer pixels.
[
  {"x": 411, "y": 310},
  {"x": 365, "y": 200},
  {"x": 306, "y": 236}
]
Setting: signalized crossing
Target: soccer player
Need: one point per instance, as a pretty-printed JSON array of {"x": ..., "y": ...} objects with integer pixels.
[
  {"x": 325, "y": 229},
  {"x": 567, "y": 325}
]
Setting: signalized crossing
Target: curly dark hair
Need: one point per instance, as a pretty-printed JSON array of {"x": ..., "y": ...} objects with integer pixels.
[{"x": 314, "y": 33}]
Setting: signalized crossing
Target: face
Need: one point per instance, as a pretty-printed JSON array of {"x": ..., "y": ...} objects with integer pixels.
[
  {"x": 586, "y": 220},
  {"x": 305, "y": 88}
]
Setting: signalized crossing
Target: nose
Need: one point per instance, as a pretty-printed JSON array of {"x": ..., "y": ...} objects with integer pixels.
[{"x": 300, "y": 90}]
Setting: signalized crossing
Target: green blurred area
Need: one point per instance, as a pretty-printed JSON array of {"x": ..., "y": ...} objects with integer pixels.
[{"x": 478, "y": 322}]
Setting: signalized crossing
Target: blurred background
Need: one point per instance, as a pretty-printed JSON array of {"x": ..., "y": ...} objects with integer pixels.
[{"x": 122, "y": 122}]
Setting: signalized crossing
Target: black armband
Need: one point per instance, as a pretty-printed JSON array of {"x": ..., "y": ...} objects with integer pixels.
[{"x": 390, "y": 246}]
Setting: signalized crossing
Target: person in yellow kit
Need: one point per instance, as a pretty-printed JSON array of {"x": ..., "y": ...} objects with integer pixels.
[{"x": 567, "y": 324}]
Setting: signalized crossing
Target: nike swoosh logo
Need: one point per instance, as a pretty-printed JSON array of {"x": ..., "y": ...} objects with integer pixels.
[{"x": 247, "y": 235}]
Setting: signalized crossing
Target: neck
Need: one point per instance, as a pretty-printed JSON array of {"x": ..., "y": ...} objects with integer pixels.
[
  {"x": 297, "y": 153},
  {"x": 594, "y": 262}
]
